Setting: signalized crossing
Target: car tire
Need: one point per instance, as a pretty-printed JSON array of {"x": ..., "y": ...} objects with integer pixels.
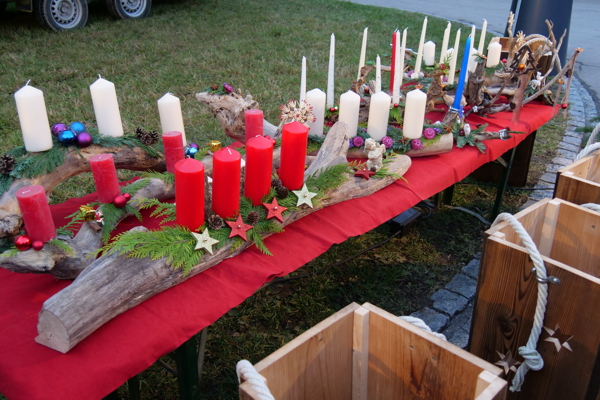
[
  {"x": 129, "y": 9},
  {"x": 61, "y": 15}
]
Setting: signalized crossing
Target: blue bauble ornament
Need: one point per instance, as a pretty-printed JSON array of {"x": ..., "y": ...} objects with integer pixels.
[
  {"x": 191, "y": 152},
  {"x": 84, "y": 139},
  {"x": 77, "y": 127},
  {"x": 194, "y": 145},
  {"x": 58, "y": 128},
  {"x": 67, "y": 138}
]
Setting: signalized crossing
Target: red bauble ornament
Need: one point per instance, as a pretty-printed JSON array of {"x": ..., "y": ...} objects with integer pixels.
[
  {"x": 120, "y": 201},
  {"x": 22, "y": 242},
  {"x": 564, "y": 106},
  {"x": 127, "y": 196},
  {"x": 37, "y": 245},
  {"x": 396, "y": 105}
]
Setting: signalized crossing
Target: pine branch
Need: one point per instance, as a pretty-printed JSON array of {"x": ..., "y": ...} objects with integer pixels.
[
  {"x": 62, "y": 246},
  {"x": 68, "y": 229},
  {"x": 134, "y": 187},
  {"x": 166, "y": 177}
]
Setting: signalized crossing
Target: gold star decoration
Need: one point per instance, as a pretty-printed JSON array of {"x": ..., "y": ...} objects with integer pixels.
[
  {"x": 204, "y": 241},
  {"x": 304, "y": 196},
  {"x": 363, "y": 172},
  {"x": 274, "y": 210},
  {"x": 238, "y": 228},
  {"x": 507, "y": 362},
  {"x": 558, "y": 338}
]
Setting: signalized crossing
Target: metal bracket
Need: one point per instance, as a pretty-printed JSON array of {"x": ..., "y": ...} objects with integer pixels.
[{"x": 550, "y": 279}]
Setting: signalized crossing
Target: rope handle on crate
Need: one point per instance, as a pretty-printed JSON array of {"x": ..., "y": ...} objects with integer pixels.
[
  {"x": 533, "y": 359},
  {"x": 245, "y": 370},
  {"x": 592, "y": 206},
  {"x": 419, "y": 323}
]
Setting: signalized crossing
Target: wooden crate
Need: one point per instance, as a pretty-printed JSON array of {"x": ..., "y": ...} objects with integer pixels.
[
  {"x": 579, "y": 182},
  {"x": 568, "y": 238},
  {"x": 363, "y": 352}
]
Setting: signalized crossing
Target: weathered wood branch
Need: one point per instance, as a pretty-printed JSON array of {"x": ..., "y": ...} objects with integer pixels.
[{"x": 333, "y": 151}]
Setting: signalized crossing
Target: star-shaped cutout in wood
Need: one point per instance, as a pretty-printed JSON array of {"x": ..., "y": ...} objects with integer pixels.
[
  {"x": 364, "y": 172},
  {"x": 507, "y": 362},
  {"x": 274, "y": 210},
  {"x": 204, "y": 241},
  {"x": 238, "y": 228},
  {"x": 558, "y": 338},
  {"x": 304, "y": 196}
]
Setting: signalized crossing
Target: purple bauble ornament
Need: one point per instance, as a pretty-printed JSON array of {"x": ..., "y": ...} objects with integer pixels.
[
  {"x": 84, "y": 139},
  {"x": 77, "y": 127},
  {"x": 194, "y": 145},
  {"x": 67, "y": 138},
  {"x": 416, "y": 144},
  {"x": 58, "y": 128}
]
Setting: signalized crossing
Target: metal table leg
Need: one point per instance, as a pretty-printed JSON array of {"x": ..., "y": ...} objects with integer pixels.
[
  {"x": 187, "y": 370},
  {"x": 503, "y": 184}
]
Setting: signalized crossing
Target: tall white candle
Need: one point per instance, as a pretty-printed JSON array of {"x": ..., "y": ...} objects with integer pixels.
[
  {"x": 363, "y": 52},
  {"x": 316, "y": 98},
  {"x": 171, "y": 119},
  {"x": 378, "y": 74},
  {"x": 303, "y": 80},
  {"x": 481, "y": 47},
  {"x": 379, "y": 114},
  {"x": 398, "y": 68},
  {"x": 473, "y": 59},
  {"x": 402, "y": 53},
  {"x": 444, "y": 51},
  {"x": 33, "y": 118},
  {"x": 493, "y": 54},
  {"x": 106, "y": 107},
  {"x": 349, "y": 108},
  {"x": 473, "y": 31},
  {"x": 429, "y": 53},
  {"x": 454, "y": 57},
  {"x": 420, "y": 50},
  {"x": 414, "y": 114},
  {"x": 330, "y": 83}
]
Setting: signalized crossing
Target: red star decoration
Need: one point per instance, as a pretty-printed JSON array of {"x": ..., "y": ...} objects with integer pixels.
[
  {"x": 238, "y": 228},
  {"x": 364, "y": 172},
  {"x": 274, "y": 209}
]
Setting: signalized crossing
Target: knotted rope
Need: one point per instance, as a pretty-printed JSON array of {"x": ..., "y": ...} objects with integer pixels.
[
  {"x": 533, "y": 359},
  {"x": 246, "y": 371},
  {"x": 587, "y": 150},
  {"x": 419, "y": 323},
  {"x": 592, "y": 206}
]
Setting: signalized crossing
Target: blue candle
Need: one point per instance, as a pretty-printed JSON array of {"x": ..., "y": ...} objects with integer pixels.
[{"x": 463, "y": 77}]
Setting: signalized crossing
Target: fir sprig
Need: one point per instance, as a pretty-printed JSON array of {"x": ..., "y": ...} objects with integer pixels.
[
  {"x": 166, "y": 211},
  {"x": 166, "y": 177},
  {"x": 10, "y": 252},
  {"x": 62, "y": 246},
  {"x": 135, "y": 186},
  {"x": 112, "y": 215},
  {"x": 470, "y": 139},
  {"x": 40, "y": 163},
  {"x": 129, "y": 141},
  {"x": 68, "y": 230}
]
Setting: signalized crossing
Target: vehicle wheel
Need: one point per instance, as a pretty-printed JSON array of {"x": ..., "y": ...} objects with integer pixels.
[
  {"x": 129, "y": 9},
  {"x": 2, "y": 7},
  {"x": 61, "y": 15}
]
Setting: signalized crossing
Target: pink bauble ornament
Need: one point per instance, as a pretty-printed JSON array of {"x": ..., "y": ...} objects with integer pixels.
[
  {"x": 120, "y": 201},
  {"x": 84, "y": 139}
]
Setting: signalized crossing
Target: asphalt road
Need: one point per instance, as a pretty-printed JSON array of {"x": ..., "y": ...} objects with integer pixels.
[{"x": 584, "y": 31}]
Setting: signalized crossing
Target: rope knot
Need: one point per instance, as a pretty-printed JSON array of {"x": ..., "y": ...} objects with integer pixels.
[{"x": 533, "y": 359}]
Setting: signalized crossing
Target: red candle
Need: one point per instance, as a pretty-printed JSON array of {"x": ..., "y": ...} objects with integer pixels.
[
  {"x": 259, "y": 165},
  {"x": 173, "y": 144},
  {"x": 105, "y": 177},
  {"x": 254, "y": 123},
  {"x": 189, "y": 193},
  {"x": 36, "y": 213},
  {"x": 226, "y": 182},
  {"x": 294, "y": 139},
  {"x": 393, "y": 63}
]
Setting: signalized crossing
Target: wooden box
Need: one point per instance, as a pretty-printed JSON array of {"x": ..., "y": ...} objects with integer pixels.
[
  {"x": 363, "y": 352},
  {"x": 568, "y": 238},
  {"x": 579, "y": 182}
]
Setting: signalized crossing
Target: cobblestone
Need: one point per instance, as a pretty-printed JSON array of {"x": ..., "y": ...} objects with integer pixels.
[
  {"x": 448, "y": 302},
  {"x": 435, "y": 320},
  {"x": 549, "y": 177},
  {"x": 472, "y": 268},
  {"x": 572, "y": 140},
  {"x": 568, "y": 146},
  {"x": 463, "y": 285}
]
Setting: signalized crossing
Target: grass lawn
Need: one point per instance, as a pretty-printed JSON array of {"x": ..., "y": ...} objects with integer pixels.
[{"x": 185, "y": 46}]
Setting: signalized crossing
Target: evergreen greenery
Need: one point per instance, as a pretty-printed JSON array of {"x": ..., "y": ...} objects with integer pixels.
[
  {"x": 62, "y": 246},
  {"x": 166, "y": 177},
  {"x": 68, "y": 230},
  {"x": 166, "y": 211}
]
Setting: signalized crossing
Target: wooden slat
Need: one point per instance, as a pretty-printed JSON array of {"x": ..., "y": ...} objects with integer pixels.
[
  {"x": 549, "y": 227},
  {"x": 579, "y": 182},
  {"x": 496, "y": 390},
  {"x": 360, "y": 354}
]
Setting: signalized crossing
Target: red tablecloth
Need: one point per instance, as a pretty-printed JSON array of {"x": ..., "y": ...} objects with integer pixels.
[{"x": 133, "y": 341}]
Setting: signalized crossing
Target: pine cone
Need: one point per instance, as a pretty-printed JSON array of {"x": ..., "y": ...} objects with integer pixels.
[
  {"x": 215, "y": 222},
  {"x": 282, "y": 192},
  {"x": 7, "y": 163},
  {"x": 253, "y": 217},
  {"x": 146, "y": 137},
  {"x": 276, "y": 183},
  {"x": 215, "y": 87}
]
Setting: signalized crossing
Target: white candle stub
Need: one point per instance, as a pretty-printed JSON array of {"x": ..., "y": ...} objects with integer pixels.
[
  {"x": 33, "y": 119},
  {"x": 379, "y": 114},
  {"x": 349, "y": 107},
  {"x": 429, "y": 53},
  {"x": 316, "y": 98},
  {"x": 106, "y": 108},
  {"x": 414, "y": 114},
  {"x": 493, "y": 54},
  {"x": 171, "y": 119}
]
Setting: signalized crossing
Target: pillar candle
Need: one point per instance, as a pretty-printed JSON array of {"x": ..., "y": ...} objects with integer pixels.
[
  {"x": 393, "y": 60},
  {"x": 469, "y": 50},
  {"x": 473, "y": 58},
  {"x": 363, "y": 52},
  {"x": 254, "y": 120},
  {"x": 106, "y": 108},
  {"x": 226, "y": 182},
  {"x": 330, "y": 78},
  {"x": 402, "y": 54},
  {"x": 259, "y": 165},
  {"x": 414, "y": 114},
  {"x": 460, "y": 87},
  {"x": 171, "y": 119},
  {"x": 105, "y": 177},
  {"x": 33, "y": 119},
  {"x": 429, "y": 53},
  {"x": 482, "y": 37},
  {"x": 397, "y": 68},
  {"x": 303, "y": 80},
  {"x": 173, "y": 145},
  {"x": 444, "y": 50},
  {"x": 189, "y": 193},
  {"x": 316, "y": 98},
  {"x": 378, "y": 74},
  {"x": 379, "y": 113},
  {"x": 294, "y": 140},
  {"x": 420, "y": 50},
  {"x": 454, "y": 58},
  {"x": 493, "y": 54},
  {"x": 36, "y": 213},
  {"x": 349, "y": 108}
]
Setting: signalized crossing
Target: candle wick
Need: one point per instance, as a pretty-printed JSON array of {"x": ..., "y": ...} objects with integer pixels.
[
  {"x": 27, "y": 83},
  {"x": 99, "y": 77}
]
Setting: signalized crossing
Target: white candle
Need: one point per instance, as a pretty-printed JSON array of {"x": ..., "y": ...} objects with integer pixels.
[
  {"x": 444, "y": 51},
  {"x": 473, "y": 59},
  {"x": 363, "y": 52},
  {"x": 493, "y": 54},
  {"x": 420, "y": 51},
  {"x": 414, "y": 114},
  {"x": 429, "y": 53},
  {"x": 303, "y": 80},
  {"x": 453, "y": 59},
  {"x": 482, "y": 37},
  {"x": 402, "y": 53},
  {"x": 330, "y": 82},
  {"x": 171, "y": 119},
  {"x": 398, "y": 68},
  {"x": 349, "y": 108},
  {"x": 106, "y": 107},
  {"x": 379, "y": 113},
  {"x": 33, "y": 118},
  {"x": 378, "y": 74},
  {"x": 473, "y": 31},
  {"x": 316, "y": 98}
]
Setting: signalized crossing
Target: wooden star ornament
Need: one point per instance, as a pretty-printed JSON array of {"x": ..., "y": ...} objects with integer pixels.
[
  {"x": 274, "y": 210},
  {"x": 238, "y": 228},
  {"x": 204, "y": 241},
  {"x": 304, "y": 196},
  {"x": 364, "y": 172}
]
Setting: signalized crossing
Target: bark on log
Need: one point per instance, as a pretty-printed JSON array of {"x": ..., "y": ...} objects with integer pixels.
[{"x": 333, "y": 151}]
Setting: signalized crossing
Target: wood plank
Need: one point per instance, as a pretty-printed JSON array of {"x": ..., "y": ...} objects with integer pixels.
[
  {"x": 579, "y": 182},
  {"x": 360, "y": 354},
  {"x": 548, "y": 227},
  {"x": 496, "y": 390},
  {"x": 484, "y": 380}
]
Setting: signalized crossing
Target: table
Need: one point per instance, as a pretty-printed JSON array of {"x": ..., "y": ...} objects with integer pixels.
[{"x": 134, "y": 340}]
